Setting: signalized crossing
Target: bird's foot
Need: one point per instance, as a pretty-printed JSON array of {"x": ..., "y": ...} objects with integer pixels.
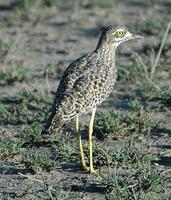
[
  {"x": 90, "y": 169},
  {"x": 84, "y": 166}
]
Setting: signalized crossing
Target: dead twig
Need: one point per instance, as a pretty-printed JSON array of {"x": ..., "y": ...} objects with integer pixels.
[
  {"x": 144, "y": 67},
  {"x": 40, "y": 181},
  {"x": 156, "y": 60},
  {"x": 160, "y": 49}
]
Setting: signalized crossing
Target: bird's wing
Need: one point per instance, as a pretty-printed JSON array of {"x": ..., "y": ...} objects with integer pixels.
[
  {"x": 70, "y": 75},
  {"x": 76, "y": 84},
  {"x": 79, "y": 83},
  {"x": 80, "y": 76}
]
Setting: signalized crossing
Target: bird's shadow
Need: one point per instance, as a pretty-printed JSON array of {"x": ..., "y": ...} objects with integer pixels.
[
  {"x": 89, "y": 188},
  {"x": 83, "y": 185},
  {"x": 159, "y": 131},
  {"x": 165, "y": 161},
  {"x": 9, "y": 168}
]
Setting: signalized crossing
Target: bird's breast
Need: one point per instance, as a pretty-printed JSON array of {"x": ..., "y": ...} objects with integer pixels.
[{"x": 103, "y": 86}]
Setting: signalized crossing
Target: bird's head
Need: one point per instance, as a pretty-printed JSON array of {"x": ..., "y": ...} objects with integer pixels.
[{"x": 116, "y": 35}]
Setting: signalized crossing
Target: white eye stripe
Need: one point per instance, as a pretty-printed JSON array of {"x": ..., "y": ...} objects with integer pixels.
[
  {"x": 128, "y": 34},
  {"x": 120, "y": 29}
]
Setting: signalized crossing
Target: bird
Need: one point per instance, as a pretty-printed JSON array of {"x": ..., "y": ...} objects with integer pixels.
[{"x": 85, "y": 84}]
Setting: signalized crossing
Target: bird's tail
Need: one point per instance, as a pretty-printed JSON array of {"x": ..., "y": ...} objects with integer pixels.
[{"x": 55, "y": 121}]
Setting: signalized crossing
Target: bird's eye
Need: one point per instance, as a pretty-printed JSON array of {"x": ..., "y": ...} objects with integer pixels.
[{"x": 119, "y": 34}]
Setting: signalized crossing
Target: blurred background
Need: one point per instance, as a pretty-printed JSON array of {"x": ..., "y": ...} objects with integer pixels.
[
  {"x": 39, "y": 33},
  {"x": 38, "y": 40}
]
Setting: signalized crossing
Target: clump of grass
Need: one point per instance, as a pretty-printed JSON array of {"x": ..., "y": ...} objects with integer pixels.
[
  {"x": 130, "y": 73},
  {"x": 16, "y": 98},
  {"x": 32, "y": 10},
  {"x": 25, "y": 107},
  {"x": 65, "y": 148},
  {"x": 102, "y": 156},
  {"x": 30, "y": 189},
  {"x": 6, "y": 21},
  {"x": 28, "y": 4},
  {"x": 3, "y": 113},
  {"x": 162, "y": 96},
  {"x": 9, "y": 77},
  {"x": 10, "y": 149},
  {"x": 37, "y": 162},
  {"x": 27, "y": 97},
  {"x": 132, "y": 174},
  {"x": 124, "y": 156},
  {"x": 5, "y": 46},
  {"x": 59, "y": 193},
  {"x": 131, "y": 155},
  {"x": 120, "y": 124},
  {"x": 13, "y": 113},
  {"x": 146, "y": 90},
  {"x": 30, "y": 133},
  {"x": 138, "y": 183},
  {"x": 100, "y": 3},
  {"x": 135, "y": 105},
  {"x": 52, "y": 71},
  {"x": 49, "y": 3},
  {"x": 23, "y": 4},
  {"x": 151, "y": 26}
]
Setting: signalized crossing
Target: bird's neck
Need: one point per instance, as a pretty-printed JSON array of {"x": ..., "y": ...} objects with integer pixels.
[{"x": 106, "y": 52}]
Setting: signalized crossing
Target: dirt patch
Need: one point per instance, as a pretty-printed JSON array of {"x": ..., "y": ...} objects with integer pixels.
[{"x": 38, "y": 39}]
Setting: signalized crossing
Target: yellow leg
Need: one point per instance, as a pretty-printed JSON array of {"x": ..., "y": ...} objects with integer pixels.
[
  {"x": 90, "y": 131},
  {"x": 80, "y": 145}
]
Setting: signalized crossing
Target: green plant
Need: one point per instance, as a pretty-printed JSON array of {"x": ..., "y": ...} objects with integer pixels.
[
  {"x": 60, "y": 194},
  {"x": 49, "y": 3},
  {"x": 151, "y": 25},
  {"x": 164, "y": 97},
  {"x": 65, "y": 148},
  {"x": 9, "y": 77},
  {"x": 135, "y": 105},
  {"x": 147, "y": 90},
  {"x": 37, "y": 161},
  {"x": 5, "y": 46},
  {"x": 3, "y": 112},
  {"x": 30, "y": 133},
  {"x": 100, "y": 3},
  {"x": 102, "y": 156},
  {"x": 28, "y": 4},
  {"x": 131, "y": 73},
  {"x": 124, "y": 156},
  {"x": 25, "y": 107},
  {"x": 136, "y": 184},
  {"x": 120, "y": 124},
  {"x": 30, "y": 189},
  {"x": 10, "y": 149}
]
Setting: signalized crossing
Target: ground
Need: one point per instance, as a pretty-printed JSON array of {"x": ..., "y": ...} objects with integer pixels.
[{"x": 132, "y": 131}]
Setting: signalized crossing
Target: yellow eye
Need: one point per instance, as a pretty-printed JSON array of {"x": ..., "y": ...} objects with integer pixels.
[{"x": 119, "y": 34}]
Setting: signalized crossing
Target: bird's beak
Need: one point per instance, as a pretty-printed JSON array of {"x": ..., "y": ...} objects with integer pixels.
[
  {"x": 138, "y": 37},
  {"x": 132, "y": 36}
]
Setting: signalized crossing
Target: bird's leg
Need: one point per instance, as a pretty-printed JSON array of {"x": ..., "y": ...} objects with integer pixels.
[
  {"x": 80, "y": 144},
  {"x": 90, "y": 131}
]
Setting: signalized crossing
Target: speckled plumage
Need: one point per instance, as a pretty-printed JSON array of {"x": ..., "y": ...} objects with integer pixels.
[{"x": 86, "y": 83}]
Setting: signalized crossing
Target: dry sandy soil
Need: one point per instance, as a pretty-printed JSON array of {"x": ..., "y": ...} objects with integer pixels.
[{"x": 43, "y": 40}]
